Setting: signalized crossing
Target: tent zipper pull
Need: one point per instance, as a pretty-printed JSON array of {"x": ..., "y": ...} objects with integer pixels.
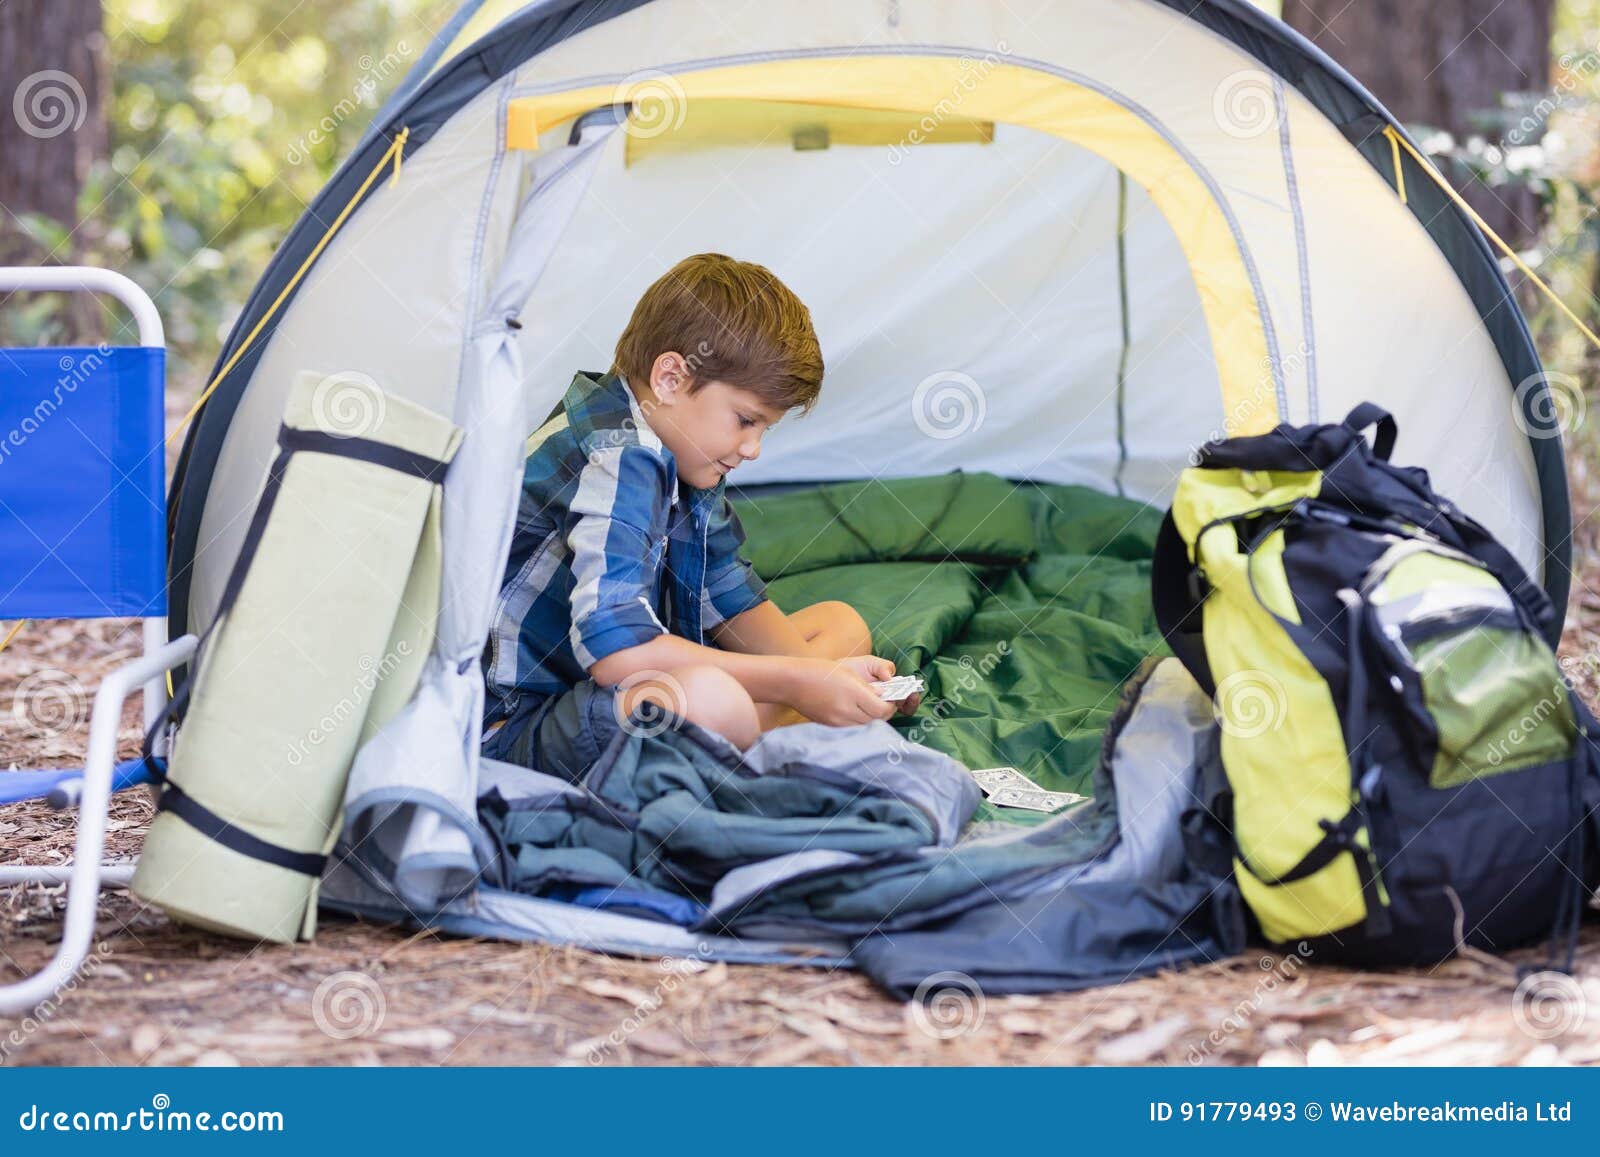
[
  {"x": 398, "y": 149},
  {"x": 1399, "y": 173}
]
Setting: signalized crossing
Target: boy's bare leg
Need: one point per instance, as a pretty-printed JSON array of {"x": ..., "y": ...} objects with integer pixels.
[
  {"x": 833, "y": 630},
  {"x": 708, "y": 696}
]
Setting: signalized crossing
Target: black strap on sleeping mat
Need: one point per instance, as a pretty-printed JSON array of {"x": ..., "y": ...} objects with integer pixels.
[
  {"x": 405, "y": 461},
  {"x": 292, "y": 441},
  {"x": 209, "y": 824}
]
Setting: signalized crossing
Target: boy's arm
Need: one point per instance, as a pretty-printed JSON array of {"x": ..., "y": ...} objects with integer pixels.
[
  {"x": 761, "y": 630},
  {"x": 615, "y": 633},
  {"x": 825, "y": 690}
]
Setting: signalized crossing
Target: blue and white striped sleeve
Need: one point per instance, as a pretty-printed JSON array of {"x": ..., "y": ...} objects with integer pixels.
[
  {"x": 616, "y": 536},
  {"x": 732, "y": 585}
]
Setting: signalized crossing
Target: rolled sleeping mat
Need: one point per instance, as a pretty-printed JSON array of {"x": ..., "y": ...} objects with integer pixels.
[{"x": 319, "y": 638}]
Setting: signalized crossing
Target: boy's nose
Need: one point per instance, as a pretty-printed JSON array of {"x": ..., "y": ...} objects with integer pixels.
[{"x": 751, "y": 450}]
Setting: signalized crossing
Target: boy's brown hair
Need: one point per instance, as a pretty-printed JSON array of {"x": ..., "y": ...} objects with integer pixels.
[{"x": 734, "y": 322}]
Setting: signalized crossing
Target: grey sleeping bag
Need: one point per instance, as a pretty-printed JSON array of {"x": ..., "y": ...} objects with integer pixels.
[{"x": 856, "y": 834}]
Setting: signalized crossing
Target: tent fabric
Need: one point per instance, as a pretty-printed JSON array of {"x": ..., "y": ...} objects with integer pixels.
[
  {"x": 588, "y": 33},
  {"x": 1043, "y": 294}
]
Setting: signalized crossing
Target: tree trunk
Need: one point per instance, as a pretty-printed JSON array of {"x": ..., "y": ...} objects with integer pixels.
[
  {"x": 52, "y": 125},
  {"x": 1437, "y": 64}
]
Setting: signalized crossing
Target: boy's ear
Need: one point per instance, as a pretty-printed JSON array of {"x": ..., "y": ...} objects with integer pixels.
[{"x": 670, "y": 377}]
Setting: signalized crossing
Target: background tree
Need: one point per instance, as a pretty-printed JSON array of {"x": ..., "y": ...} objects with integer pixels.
[
  {"x": 1445, "y": 65},
  {"x": 53, "y": 82}
]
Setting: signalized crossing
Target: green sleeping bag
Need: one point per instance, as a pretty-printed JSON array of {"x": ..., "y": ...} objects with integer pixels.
[{"x": 1024, "y": 607}]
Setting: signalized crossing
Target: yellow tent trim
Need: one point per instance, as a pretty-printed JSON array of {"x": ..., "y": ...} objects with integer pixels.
[
  {"x": 934, "y": 88},
  {"x": 748, "y": 124}
]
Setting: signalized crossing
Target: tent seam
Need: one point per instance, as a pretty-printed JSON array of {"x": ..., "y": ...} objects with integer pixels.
[
  {"x": 1309, "y": 339},
  {"x": 469, "y": 319}
]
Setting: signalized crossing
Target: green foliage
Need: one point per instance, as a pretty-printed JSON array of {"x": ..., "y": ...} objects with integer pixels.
[
  {"x": 227, "y": 116},
  {"x": 225, "y": 120},
  {"x": 1548, "y": 140}
]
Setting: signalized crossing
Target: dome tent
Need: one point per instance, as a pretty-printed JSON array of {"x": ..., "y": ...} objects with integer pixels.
[{"x": 1108, "y": 230}]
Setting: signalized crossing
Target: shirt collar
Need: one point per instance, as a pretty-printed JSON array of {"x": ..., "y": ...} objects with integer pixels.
[{"x": 647, "y": 432}]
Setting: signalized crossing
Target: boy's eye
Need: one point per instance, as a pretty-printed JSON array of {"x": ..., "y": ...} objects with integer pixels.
[{"x": 745, "y": 420}]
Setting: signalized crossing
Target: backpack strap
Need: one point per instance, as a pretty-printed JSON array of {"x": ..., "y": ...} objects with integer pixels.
[
  {"x": 1371, "y": 414},
  {"x": 1339, "y": 836}
]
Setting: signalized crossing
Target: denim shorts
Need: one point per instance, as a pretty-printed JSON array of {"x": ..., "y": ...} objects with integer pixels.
[{"x": 562, "y": 735}]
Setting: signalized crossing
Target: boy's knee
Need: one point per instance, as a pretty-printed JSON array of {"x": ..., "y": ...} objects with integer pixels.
[
  {"x": 845, "y": 632},
  {"x": 708, "y": 696}
]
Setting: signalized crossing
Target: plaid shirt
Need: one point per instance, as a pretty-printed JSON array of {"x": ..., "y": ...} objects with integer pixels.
[{"x": 607, "y": 553}]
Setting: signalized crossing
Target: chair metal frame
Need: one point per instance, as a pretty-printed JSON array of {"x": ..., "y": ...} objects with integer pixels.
[{"x": 86, "y": 875}]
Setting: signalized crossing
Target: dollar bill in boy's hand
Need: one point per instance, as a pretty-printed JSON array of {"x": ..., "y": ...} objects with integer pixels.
[{"x": 899, "y": 688}]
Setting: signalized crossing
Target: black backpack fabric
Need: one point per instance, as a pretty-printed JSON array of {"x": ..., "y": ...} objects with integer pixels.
[{"x": 1413, "y": 772}]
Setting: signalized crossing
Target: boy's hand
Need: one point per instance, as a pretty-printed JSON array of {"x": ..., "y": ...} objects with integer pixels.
[
  {"x": 876, "y": 670},
  {"x": 835, "y": 691}
]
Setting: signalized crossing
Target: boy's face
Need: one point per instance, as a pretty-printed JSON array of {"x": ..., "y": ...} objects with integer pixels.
[{"x": 710, "y": 431}]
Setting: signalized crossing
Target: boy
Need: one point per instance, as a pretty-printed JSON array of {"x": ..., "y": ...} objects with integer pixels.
[{"x": 624, "y": 588}]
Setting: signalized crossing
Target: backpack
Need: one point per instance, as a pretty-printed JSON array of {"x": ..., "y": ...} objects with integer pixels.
[{"x": 1407, "y": 769}]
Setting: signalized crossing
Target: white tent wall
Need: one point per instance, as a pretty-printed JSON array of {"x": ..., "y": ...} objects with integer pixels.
[
  {"x": 1388, "y": 318},
  {"x": 1394, "y": 325},
  {"x": 984, "y": 276},
  {"x": 388, "y": 298},
  {"x": 997, "y": 261}
]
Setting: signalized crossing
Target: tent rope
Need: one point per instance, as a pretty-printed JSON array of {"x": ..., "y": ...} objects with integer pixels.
[
  {"x": 396, "y": 150},
  {"x": 1399, "y": 173},
  {"x": 12, "y": 634},
  {"x": 1398, "y": 142}
]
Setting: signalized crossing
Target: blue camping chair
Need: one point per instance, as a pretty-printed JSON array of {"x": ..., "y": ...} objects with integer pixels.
[{"x": 83, "y": 535}]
